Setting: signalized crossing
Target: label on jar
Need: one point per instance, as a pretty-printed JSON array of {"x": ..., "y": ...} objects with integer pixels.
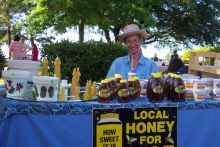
[
  {"x": 158, "y": 89},
  {"x": 103, "y": 93},
  {"x": 131, "y": 90},
  {"x": 123, "y": 93},
  {"x": 180, "y": 89}
]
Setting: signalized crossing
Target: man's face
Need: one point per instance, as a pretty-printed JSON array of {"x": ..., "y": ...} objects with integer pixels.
[{"x": 133, "y": 43}]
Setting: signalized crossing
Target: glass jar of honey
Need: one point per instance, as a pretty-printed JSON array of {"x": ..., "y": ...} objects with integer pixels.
[
  {"x": 155, "y": 88},
  {"x": 131, "y": 88},
  {"x": 137, "y": 87},
  {"x": 113, "y": 88},
  {"x": 123, "y": 95},
  {"x": 118, "y": 77},
  {"x": 104, "y": 92},
  {"x": 179, "y": 90}
]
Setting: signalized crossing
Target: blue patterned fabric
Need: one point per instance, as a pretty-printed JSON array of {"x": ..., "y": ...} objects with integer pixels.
[
  {"x": 54, "y": 124},
  {"x": 10, "y": 106}
]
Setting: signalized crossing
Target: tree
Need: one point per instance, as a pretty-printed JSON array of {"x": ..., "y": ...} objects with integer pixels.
[
  {"x": 187, "y": 21},
  {"x": 167, "y": 22},
  {"x": 11, "y": 16}
]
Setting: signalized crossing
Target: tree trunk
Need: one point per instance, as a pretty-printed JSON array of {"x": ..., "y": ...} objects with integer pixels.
[
  {"x": 107, "y": 36},
  {"x": 9, "y": 37},
  {"x": 81, "y": 30},
  {"x": 116, "y": 33},
  {"x": 32, "y": 39}
]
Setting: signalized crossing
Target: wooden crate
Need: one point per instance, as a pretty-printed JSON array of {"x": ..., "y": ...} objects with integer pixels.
[{"x": 195, "y": 64}]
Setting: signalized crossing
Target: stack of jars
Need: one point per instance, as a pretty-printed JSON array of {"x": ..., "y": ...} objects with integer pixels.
[
  {"x": 117, "y": 88},
  {"x": 157, "y": 88},
  {"x": 172, "y": 88}
]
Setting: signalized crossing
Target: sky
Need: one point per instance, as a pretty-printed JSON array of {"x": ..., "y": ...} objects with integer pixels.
[{"x": 72, "y": 34}]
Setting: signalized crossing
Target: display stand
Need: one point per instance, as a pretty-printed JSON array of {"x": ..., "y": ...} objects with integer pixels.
[{"x": 201, "y": 61}]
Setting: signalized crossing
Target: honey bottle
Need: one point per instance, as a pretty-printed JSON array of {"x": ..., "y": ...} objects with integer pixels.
[
  {"x": 104, "y": 92},
  {"x": 118, "y": 77},
  {"x": 171, "y": 87},
  {"x": 123, "y": 95},
  {"x": 148, "y": 85},
  {"x": 131, "y": 88},
  {"x": 156, "y": 88},
  {"x": 179, "y": 90},
  {"x": 113, "y": 87},
  {"x": 167, "y": 85},
  {"x": 110, "y": 87},
  {"x": 137, "y": 86}
]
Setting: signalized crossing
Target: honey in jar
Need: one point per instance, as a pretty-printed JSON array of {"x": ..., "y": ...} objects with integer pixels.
[
  {"x": 113, "y": 87},
  {"x": 137, "y": 86},
  {"x": 167, "y": 85},
  {"x": 123, "y": 95},
  {"x": 104, "y": 92},
  {"x": 148, "y": 85},
  {"x": 110, "y": 87},
  {"x": 171, "y": 87},
  {"x": 179, "y": 90},
  {"x": 118, "y": 77},
  {"x": 131, "y": 88},
  {"x": 155, "y": 88}
]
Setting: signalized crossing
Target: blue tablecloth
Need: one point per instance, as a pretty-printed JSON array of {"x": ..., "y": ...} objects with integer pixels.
[{"x": 30, "y": 124}]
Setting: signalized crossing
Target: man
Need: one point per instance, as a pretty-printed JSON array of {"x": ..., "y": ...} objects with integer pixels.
[
  {"x": 25, "y": 48},
  {"x": 134, "y": 62}
]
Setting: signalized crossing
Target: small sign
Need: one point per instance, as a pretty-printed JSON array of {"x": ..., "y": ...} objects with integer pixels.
[{"x": 140, "y": 127}]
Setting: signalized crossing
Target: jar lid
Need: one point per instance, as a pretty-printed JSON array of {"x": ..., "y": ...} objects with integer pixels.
[
  {"x": 118, "y": 76},
  {"x": 131, "y": 80},
  {"x": 123, "y": 81},
  {"x": 157, "y": 75},
  {"x": 111, "y": 78},
  {"x": 104, "y": 81},
  {"x": 108, "y": 80},
  {"x": 178, "y": 76}
]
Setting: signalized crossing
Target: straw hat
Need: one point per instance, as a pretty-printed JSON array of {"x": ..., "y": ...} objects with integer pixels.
[{"x": 132, "y": 29}]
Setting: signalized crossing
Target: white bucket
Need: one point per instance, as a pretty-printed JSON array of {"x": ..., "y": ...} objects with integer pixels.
[
  {"x": 15, "y": 82},
  {"x": 27, "y": 65},
  {"x": 46, "y": 88}
]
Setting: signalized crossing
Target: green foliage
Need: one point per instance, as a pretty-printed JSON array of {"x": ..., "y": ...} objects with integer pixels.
[
  {"x": 186, "y": 54},
  {"x": 2, "y": 62},
  {"x": 93, "y": 58}
]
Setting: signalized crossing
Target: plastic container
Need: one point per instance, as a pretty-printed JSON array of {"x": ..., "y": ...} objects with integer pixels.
[
  {"x": 46, "y": 88},
  {"x": 216, "y": 93},
  {"x": 26, "y": 65},
  {"x": 199, "y": 84},
  {"x": 216, "y": 84},
  {"x": 15, "y": 82},
  {"x": 199, "y": 95},
  {"x": 189, "y": 94},
  {"x": 209, "y": 93},
  {"x": 188, "y": 83},
  {"x": 209, "y": 82}
]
